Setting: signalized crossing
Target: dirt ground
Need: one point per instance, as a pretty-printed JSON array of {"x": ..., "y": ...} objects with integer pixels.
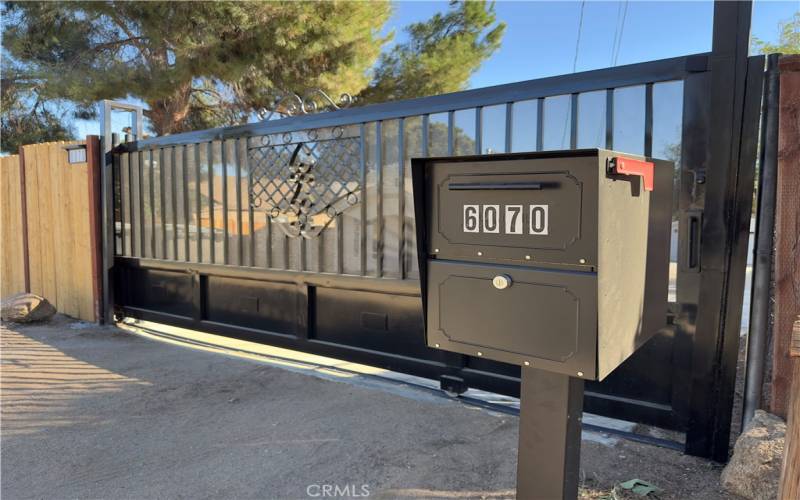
[{"x": 98, "y": 412}]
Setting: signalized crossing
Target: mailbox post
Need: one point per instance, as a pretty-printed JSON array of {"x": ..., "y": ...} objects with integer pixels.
[{"x": 556, "y": 262}]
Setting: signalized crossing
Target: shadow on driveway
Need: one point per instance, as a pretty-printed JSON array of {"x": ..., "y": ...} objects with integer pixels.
[{"x": 97, "y": 412}]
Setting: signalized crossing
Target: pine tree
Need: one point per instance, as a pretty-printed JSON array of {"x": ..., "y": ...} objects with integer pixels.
[{"x": 204, "y": 64}]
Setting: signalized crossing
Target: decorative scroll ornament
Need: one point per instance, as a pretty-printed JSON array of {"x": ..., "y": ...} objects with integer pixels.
[
  {"x": 312, "y": 101},
  {"x": 304, "y": 184}
]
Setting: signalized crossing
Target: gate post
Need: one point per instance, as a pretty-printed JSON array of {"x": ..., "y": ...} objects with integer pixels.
[
  {"x": 734, "y": 94},
  {"x": 107, "y": 196}
]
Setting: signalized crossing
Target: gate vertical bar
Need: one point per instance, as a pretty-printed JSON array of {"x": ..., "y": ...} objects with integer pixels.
[
  {"x": 173, "y": 187},
  {"x": 121, "y": 168},
  {"x": 401, "y": 197},
  {"x": 250, "y": 220},
  {"x": 379, "y": 222},
  {"x": 321, "y": 252},
  {"x": 478, "y": 130},
  {"x": 198, "y": 203},
  {"x": 509, "y": 127},
  {"x": 142, "y": 224},
  {"x": 224, "y": 173},
  {"x": 239, "y": 230},
  {"x": 152, "y": 207},
  {"x": 162, "y": 175},
  {"x": 648, "y": 120},
  {"x": 211, "y": 210},
  {"x": 724, "y": 244},
  {"x": 425, "y": 130},
  {"x": 540, "y": 124},
  {"x": 131, "y": 205},
  {"x": 363, "y": 172},
  {"x": 573, "y": 121},
  {"x": 185, "y": 172},
  {"x": 450, "y": 133}
]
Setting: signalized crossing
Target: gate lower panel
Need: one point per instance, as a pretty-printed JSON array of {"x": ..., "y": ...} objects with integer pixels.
[{"x": 362, "y": 320}]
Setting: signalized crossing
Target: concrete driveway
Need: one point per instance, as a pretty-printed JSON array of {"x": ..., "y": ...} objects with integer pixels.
[{"x": 92, "y": 412}]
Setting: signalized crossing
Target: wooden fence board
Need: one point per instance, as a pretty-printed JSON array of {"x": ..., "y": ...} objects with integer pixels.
[
  {"x": 83, "y": 294},
  {"x": 33, "y": 216},
  {"x": 12, "y": 262},
  {"x": 59, "y": 229}
]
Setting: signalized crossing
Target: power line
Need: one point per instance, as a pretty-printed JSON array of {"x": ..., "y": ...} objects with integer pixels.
[
  {"x": 616, "y": 31},
  {"x": 568, "y": 117},
  {"x": 621, "y": 31},
  {"x": 578, "y": 41}
]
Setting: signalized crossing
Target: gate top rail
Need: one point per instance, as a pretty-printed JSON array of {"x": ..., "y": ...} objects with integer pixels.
[{"x": 621, "y": 76}]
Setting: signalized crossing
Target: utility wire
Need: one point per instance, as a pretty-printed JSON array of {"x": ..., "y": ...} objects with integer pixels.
[
  {"x": 621, "y": 32},
  {"x": 568, "y": 116},
  {"x": 578, "y": 41},
  {"x": 616, "y": 32}
]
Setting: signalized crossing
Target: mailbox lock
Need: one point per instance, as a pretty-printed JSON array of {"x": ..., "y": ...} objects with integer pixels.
[{"x": 501, "y": 281}]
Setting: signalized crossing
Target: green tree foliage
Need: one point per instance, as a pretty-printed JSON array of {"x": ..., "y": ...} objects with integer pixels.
[
  {"x": 440, "y": 56},
  {"x": 204, "y": 64},
  {"x": 788, "y": 39},
  {"x": 199, "y": 63},
  {"x": 25, "y": 119}
]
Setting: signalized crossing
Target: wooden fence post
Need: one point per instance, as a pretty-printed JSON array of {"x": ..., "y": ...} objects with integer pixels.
[
  {"x": 786, "y": 365},
  {"x": 787, "y": 236},
  {"x": 93, "y": 159}
]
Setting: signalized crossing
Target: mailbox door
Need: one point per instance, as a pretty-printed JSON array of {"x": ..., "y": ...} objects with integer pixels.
[
  {"x": 540, "y": 212},
  {"x": 544, "y": 317}
]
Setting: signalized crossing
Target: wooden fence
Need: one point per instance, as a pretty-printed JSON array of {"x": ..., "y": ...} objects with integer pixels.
[
  {"x": 49, "y": 227},
  {"x": 12, "y": 263}
]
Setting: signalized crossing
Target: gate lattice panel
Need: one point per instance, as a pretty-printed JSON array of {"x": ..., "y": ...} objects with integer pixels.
[{"x": 304, "y": 184}]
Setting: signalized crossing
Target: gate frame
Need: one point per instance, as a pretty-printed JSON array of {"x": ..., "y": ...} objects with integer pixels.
[
  {"x": 108, "y": 142},
  {"x": 722, "y": 88},
  {"x": 735, "y": 94}
]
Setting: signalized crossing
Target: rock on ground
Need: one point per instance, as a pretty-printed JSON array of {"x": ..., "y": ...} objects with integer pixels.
[
  {"x": 755, "y": 468},
  {"x": 27, "y": 308}
]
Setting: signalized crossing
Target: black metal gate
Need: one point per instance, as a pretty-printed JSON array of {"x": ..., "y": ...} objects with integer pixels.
[{"x": 299, "y": 232}]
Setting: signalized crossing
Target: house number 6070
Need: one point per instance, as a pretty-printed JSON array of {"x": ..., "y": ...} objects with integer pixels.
[{"x": 506, "y": 219}]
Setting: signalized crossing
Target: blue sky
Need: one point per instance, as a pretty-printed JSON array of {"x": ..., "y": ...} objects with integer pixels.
[{"x": 541, "y": 37}]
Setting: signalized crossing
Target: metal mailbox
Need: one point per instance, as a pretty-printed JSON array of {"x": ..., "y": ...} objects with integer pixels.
[{"x": 555, "y": 260}]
